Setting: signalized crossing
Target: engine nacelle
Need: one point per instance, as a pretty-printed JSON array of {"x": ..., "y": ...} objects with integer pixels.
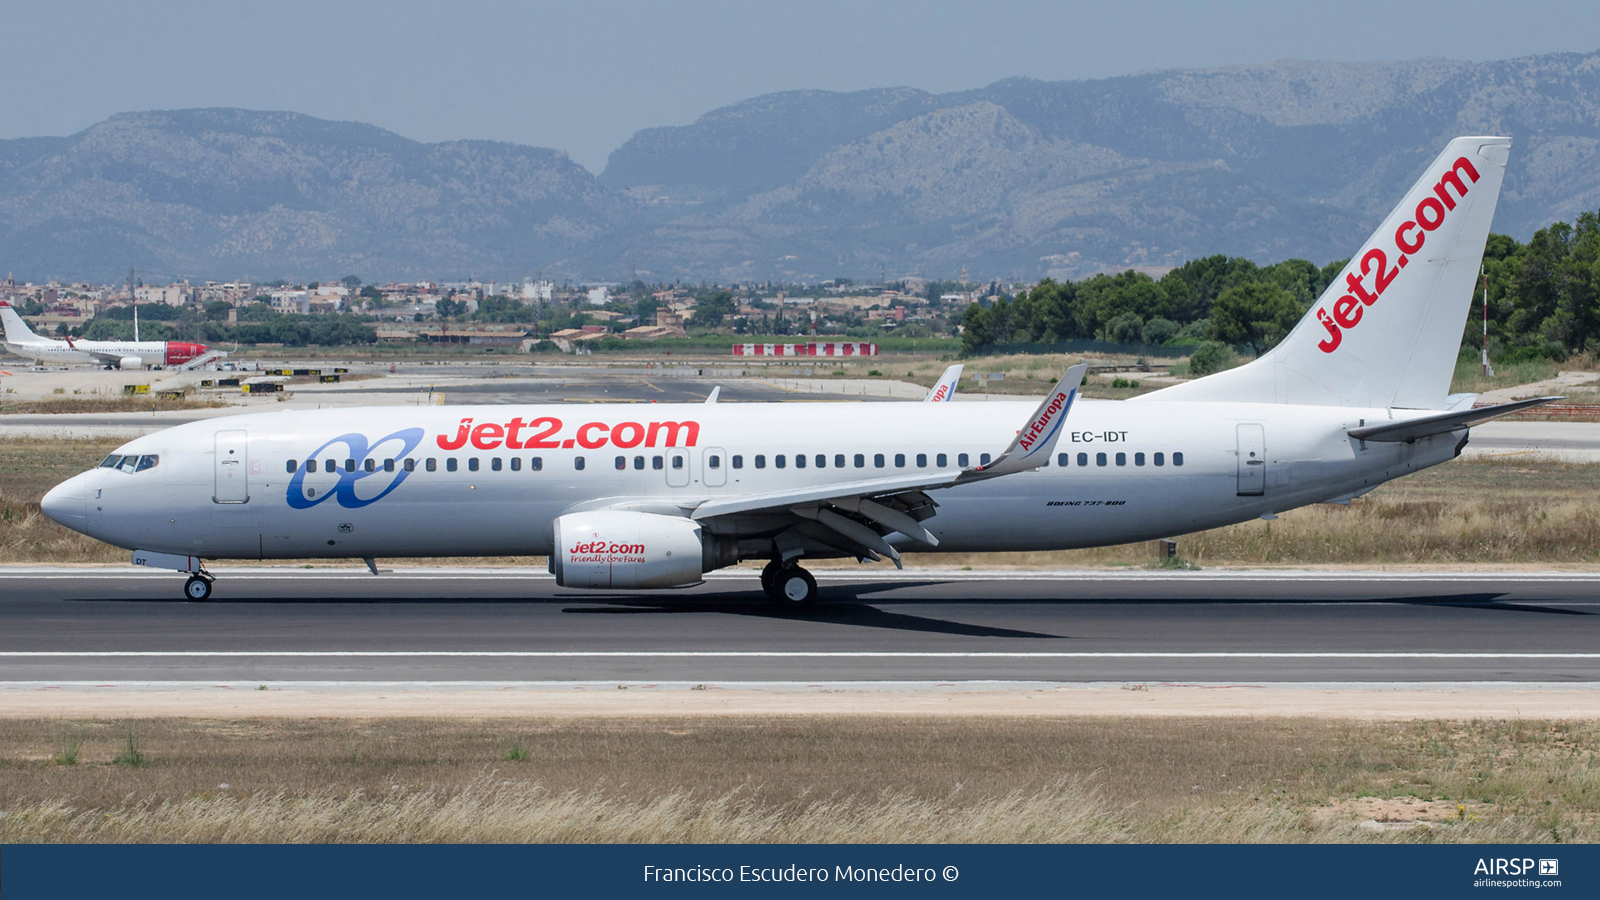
[
  {"x": 131, "y": 362},
  {"x": 618, "y": 549}
]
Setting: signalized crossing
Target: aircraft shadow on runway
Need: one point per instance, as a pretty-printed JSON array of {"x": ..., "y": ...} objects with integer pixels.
[
  {"x": 835, "y": 611},
  {"x": 1493, "y": 602}
]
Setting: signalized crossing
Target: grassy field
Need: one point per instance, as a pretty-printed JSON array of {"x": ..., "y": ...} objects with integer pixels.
[
  {"x": 1504, "y": 510},
  {"x": 105, "y": 404},
  {"x": 805, "y": 779}
]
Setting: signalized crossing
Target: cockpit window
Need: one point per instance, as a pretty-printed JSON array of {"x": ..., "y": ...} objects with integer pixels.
[
  {"x": 148, "y": 462},
  {"x": 129, "y": 463},
  {"x": 111, "y": 461}
]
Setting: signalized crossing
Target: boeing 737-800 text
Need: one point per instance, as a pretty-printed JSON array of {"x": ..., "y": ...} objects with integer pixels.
[{"x": 654, "y": 496}]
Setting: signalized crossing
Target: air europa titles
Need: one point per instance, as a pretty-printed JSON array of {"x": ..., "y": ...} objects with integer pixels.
[
  {"x": 1409, "y": 238},
  {"x": 1042, "y": 426},
  {"x": 545, "y": 433}
]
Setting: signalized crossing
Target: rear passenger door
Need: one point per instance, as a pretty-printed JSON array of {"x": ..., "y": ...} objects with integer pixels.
[{"x": 677, "y": 467}]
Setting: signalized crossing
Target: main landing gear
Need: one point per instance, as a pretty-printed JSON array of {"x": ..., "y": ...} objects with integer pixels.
[
  {"x": 198, "y": 587},
  {"x": 788, "y": 584}
]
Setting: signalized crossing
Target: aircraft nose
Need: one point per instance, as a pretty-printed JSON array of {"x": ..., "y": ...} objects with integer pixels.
[{"x": 68, "y": 503}]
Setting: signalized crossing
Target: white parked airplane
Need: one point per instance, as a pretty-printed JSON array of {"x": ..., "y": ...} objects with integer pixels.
[
  {"x": 134, "y": 354},
  {"x": 654, "y": 496}
]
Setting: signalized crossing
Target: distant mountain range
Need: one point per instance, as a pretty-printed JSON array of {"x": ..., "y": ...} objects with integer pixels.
[{"x": 1017, "y": 180}]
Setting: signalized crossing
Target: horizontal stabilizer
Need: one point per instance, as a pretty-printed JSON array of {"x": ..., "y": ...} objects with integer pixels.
[{"x": 1412, "y": 429}]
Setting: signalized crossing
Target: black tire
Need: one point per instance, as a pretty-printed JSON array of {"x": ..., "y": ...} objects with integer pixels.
[
  {"x": 197, "y": 588},
  {"x": 794, "y": 586},
  {"x": 769, "y": 573}
]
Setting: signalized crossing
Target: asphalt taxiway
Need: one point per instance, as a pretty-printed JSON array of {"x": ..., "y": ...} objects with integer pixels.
[{"x": 871, "y": 626}]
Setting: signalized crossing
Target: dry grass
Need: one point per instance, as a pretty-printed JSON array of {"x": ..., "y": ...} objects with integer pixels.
[
  {"x": 104, "y": 404},
  {"x": 801, "y": 779}
]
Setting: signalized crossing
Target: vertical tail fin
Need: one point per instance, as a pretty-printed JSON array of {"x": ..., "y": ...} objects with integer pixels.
[
  {"x": 16, "y": 330},
  {"x": 945, "y": 389},
  {"x": 1386, "y": 333}
]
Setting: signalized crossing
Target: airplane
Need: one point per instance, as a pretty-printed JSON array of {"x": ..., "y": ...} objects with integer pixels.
[
  {"x": 134, "y": 354},
  {"x": 944, "y": 390},
  {"x": 648, "y": 496}
]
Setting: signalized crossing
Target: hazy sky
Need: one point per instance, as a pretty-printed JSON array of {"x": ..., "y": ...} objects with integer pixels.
[{"x": 582, "y": 76}]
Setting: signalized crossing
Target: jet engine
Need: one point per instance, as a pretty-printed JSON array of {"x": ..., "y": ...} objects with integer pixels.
[
  {"x": 130, "y": 362},
  {"x": 622, "y": 549}
]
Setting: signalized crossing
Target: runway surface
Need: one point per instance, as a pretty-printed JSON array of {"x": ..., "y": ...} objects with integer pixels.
[{"x": 114, "y": 625}]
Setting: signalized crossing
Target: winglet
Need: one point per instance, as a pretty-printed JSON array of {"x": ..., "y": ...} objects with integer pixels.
[
  {"x": 1034, "y": 443},
  {"x": 715, "y": 393},
  {"x": 944, "y": 390}
]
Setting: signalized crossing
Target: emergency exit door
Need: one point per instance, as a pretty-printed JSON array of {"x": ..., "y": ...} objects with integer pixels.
[{"x": 1252, "y": 460}]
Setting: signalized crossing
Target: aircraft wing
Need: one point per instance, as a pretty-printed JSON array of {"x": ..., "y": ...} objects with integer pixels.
[
  {"x": 1405, "y": 430},
  {"x": 109, "y": 359},
  {"x": 944, "y": 390},
  {"x": 856, "y": 515}
]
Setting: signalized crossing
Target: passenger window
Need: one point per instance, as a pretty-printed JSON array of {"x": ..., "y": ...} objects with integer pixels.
[
  {"x": 715, "y": 461},
  {"x": 941, "y": 460},
  {"x": 638, "y": 462},
  {"x": 983, "y": 459},
  {"x": 961, "y": 460},
  {"x": 112, "y": 461},
  {"x": 658, "y": 463},
  {"x": 450, "y": 464},
  {"x": 922, "y": 460},
  {"x": 1160, "y": 459},
  {"x": 1063, "y": 459},
  {"x": 311, "y": 465},
  {"x": 472, "y": 464},
  {"x": 779, "y": 461},
  {"x": 577, "y": 463},
  {"x": 822, "y": 460},
  {"x": 330, "y": 466},
  {"x": 677, "y": 460},
  {"x": 1177, "y": 458},
  {"x": 761, "y": 461},
  {"x": 1099, "y": 459},
  {"x": 411, "y": 464},
  {"x": 536, "y": 464},
  {"x": 433, "y": 465},
  {"x": 738, "y": 461},
  {"x": 388, "y": 465},
  {"x": 148, "y": 462},
  {"x": 899, "y": 460},
  {"x": 1083, "y": 459},
  {"x": 291, "y": 466},
  {"x": 1122, "y": 459},
  {"x": 369, "y": 465},
  {"x": 494, "y": 463},
  {"x": 1138, "y": 459},
  {"x": 622, "y": 463},
  {"x": 799, "y": 460},
  {"x": 516, "y": 464},
  {"x": 861, "y": 460},
  {"x": 349, "y": 465},
  {"x": 838, "y": 460},
  {"x": 877, "y": 460}
]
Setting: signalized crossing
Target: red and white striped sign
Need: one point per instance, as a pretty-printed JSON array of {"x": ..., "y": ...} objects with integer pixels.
[{"x": 825, "y": 348}]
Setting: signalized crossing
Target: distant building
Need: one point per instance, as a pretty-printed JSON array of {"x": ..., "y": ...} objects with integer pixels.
[
  {"x": 172, "y": 294},
  {"x": 538, "y": 290},
  {"x": 599, "y": 296}
]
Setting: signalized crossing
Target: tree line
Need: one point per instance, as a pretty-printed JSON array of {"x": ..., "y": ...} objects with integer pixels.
[{"x": 1544, "y": 302}]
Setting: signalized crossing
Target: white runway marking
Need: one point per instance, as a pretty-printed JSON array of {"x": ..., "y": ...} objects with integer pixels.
[{"x": 765, "y": 654}]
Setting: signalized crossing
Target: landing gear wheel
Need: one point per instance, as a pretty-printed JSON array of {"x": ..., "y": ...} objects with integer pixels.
[
  {"x": 197, "y": 588},
  {"x": 793, "y": 586},
  {"x": 769, "y": 573}
]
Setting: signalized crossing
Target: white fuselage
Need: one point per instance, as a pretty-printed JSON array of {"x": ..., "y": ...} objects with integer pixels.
[
  {"x": 240, "y": 487},
  {"x": 149, "y": 353}
]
